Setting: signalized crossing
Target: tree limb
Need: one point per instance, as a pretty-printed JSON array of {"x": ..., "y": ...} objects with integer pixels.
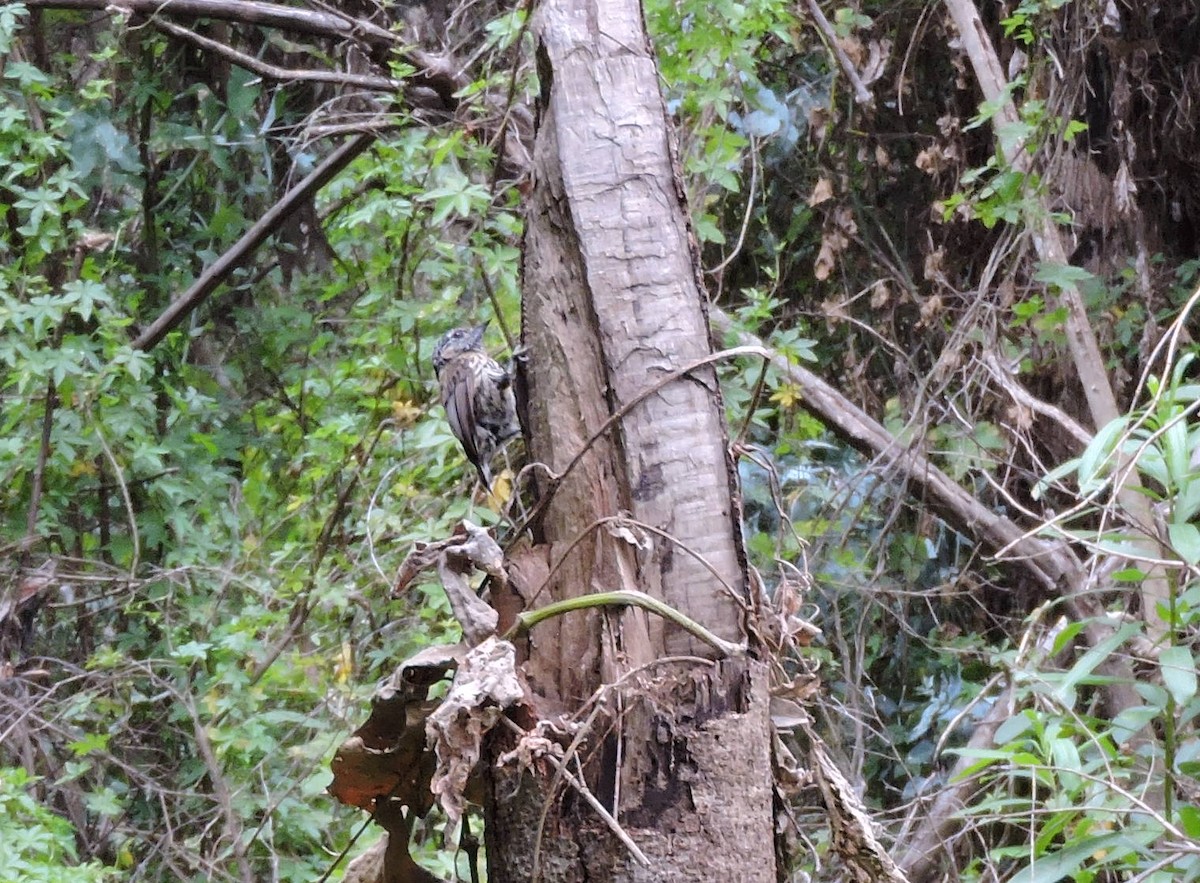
[
  {"x": 274, "y": 72},
  {"x": 219, "y": 271},
  {"x": 272, "y": 15},
  {"x": 1052, "y": 564},
  {"x": 437, "y": 72},
  {"x": 861, "y": 93},
  {"x": 1081, "y": 339}
]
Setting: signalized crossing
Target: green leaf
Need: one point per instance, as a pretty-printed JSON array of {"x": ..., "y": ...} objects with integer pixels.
[
  {"x": 1012, "y": 728},
  {"x": 707, "y": 229},
  {"x": 1098, "y": 454},
  {"x": 1061, "y": 275},
  {"x": 1108, "y": 848},
  {"x": 1067, "y": 762},
  {"x": 1092, "y": 658},
  {"x": 1189, "y": 820},
  {"x": 193, "y": 650},
  {"x": 1179, "y": 673},
  {"x": 1131, "y": 720},
  {"x": 1185, "y": 540},
  {"x": 1129, "y": 575},
  {"x": 1065, "y": 636},
  {"x": 89, "y": 743}
]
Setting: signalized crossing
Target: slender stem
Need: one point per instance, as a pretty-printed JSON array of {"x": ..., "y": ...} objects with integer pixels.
[
  {"x": 624, "y": 598},
  {"x": 1169, "y": 736}
]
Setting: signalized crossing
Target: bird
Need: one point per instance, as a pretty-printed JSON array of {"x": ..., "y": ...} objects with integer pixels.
[{"x": 477, "y": 395}]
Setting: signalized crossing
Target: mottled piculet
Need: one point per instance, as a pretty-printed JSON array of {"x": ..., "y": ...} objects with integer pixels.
[{"x": 477, "y": 395}]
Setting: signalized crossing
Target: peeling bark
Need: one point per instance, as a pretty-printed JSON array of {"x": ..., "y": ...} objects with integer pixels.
[
  {"x": 700, "y": 748},
  {"x": 611, "y": 306},
  {"x": 673, "y": 747}
]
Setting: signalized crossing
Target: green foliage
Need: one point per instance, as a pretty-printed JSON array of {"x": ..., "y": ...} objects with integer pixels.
[
  {"x": 39, "y": 846},
  {"x": 1002, "y": 190},
  {"x": 225, "y": 514},
  {"x": 1102, "y": 793},
  {"x": 709, "y": 56},
  {"x": 1082, "y": 780},
  {"x": 1158, "y": 441},
  {"x": 1028, "y": 21}
]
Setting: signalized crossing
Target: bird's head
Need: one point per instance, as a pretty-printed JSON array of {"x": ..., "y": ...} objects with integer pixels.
[{"x": 456, "y": 342}]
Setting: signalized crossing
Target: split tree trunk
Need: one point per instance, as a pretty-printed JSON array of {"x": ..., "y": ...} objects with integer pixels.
[{"x": 680, "y": 755}]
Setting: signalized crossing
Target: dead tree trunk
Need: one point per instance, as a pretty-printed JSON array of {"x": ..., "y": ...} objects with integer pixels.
[{"x": 678, "y": 746}]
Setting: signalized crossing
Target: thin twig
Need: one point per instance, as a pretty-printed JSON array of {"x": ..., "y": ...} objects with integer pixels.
[
  {"x": 271, "y": 71},
  {"x": 39, "y": 470},
  {"x": 220, "y": 788},
  {"x": 737, "y": 246},
  {"x": 586, "y": 794},
  {"x": 620, "y": 413},
  {"x": 861, "y": 93},
  {"x": 1023, "y": 397},
  {"x": 125, "y": 498}
]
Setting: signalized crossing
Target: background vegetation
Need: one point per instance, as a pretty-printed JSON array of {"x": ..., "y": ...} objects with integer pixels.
[{"x": 201, "y": 534}]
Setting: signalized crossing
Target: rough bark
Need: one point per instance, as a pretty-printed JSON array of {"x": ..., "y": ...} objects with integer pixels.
[
  {"x": 612, "y": 305},
  {"x": 678, "y": 749},
  {"x": 701, "y": 812}
]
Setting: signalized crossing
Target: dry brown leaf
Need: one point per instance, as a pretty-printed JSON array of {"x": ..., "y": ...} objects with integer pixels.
[
  {"x": 878, "y": 54},
  {"x": 881, "y": 295},
  {"x": 456, "y": 558},
  {"x": 821, "y": 192},
  {"x": 931, "y": 309},
  {"x": 831, "y": 244},
  {"x": 95, "y": 240},
  {"x": 1124, "y": 191},
  {"x": 834, "y": 240},
  {"x": 790, "y": 777},
  {"x": 786, "y": 714},
  {"x": 931, "y": 160},
  {"x": 833, "y": 311},
  {"x": 934, "y": 262},
  {"x": 853, "y": 48},
  {"x": 1020, "y": 417},
  {"x": 485, "y": 685}
]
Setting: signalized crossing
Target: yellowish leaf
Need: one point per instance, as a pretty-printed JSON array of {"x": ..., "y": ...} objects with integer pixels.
[
  {"x": 502, "y": 488},
  {"x": 787, "y": 396},
  {"x": 344, "y": 667},
  {"x": 404, "y": 412}
]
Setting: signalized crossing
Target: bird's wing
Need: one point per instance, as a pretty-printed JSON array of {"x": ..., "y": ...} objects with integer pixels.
[{"x": 458, "y": 398}]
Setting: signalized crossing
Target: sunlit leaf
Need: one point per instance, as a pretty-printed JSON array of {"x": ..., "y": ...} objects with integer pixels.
[{"x": 1178, "y": 668}]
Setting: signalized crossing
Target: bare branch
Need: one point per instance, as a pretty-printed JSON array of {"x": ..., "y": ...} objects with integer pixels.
[
  {"x": 274, "y": 72},
  {"x": 861, "y": 93},
  {"x": 436, "y": 72},
  {"x": 272, "y": 15},
  {"x": 1052, "y": 564},
  {"x": 1025, "y": 399},
  {"x": 1081, "y": 339},
  {"x": 219, "y": 271}
]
